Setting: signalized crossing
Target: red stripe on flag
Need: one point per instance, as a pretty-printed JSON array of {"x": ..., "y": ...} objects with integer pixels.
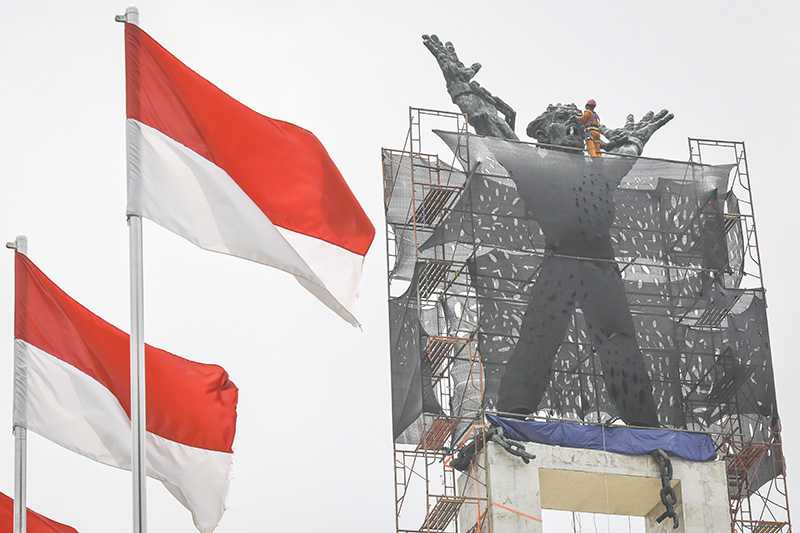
[
  {"x": 36, "y": 522},
  {"x": 187, "y": 402},
  {"x": 283, "y": 168}
]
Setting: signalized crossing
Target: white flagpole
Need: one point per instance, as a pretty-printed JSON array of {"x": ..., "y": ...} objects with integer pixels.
[
  {"x": 20, "y": 244},
  {"x": 138, "y": 412},
  {"x": 138, "y": 404}
]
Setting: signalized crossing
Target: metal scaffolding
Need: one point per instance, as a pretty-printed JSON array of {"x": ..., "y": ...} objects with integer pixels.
[
  {"x": 765, "y": 508},
  {"x": 434, "y": 284}
]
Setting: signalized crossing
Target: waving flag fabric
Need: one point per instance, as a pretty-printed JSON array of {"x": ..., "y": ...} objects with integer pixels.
[
  {"x": 36, "y": 522},
  {"x": 234, "y": 181},
  {"x": 72, "y": 386}
]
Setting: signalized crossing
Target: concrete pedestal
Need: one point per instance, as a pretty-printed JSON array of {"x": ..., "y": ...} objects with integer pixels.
[{"x": 571, "y": 479}]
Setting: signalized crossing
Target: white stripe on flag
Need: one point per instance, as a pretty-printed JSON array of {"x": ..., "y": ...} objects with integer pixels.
[{"x": 194, "y": 198}]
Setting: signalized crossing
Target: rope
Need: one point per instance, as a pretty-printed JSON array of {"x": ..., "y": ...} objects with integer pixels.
[
  {"x": 605, "y": 481},
  {"x": 517, "y": 512}
]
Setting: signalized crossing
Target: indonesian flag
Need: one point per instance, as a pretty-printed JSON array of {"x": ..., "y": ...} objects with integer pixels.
[
  {"x": 72, "y": 386},
  {"x": 36, "y": 523},
  {"x": 234, "y": 181}
]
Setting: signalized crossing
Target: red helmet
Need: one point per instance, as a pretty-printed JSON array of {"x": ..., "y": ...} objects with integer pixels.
[{"x": 591, "y": 103}]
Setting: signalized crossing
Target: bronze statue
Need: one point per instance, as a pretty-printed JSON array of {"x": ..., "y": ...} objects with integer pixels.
[
  {"x": 571, "y": 198},
  {"x": 479, "y": 105},
  {"x": 557, "y": 126}
]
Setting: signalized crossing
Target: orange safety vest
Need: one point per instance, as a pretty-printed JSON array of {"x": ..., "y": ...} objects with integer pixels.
[{"x": 590, "y": 120}]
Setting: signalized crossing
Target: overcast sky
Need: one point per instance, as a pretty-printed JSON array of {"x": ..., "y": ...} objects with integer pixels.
[{"x": 313, "y": 446}]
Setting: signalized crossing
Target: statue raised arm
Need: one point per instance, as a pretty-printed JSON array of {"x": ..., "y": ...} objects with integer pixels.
[{"x": 483, "y": 109}]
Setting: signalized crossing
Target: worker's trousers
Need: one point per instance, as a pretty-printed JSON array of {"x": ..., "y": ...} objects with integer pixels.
[{"x": 593, "y": 144}]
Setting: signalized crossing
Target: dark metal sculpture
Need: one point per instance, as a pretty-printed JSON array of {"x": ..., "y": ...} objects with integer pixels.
[
  {"x": 482, "y": 108},
  {"x": 667, "y": 493},
  {"x": 572, "y": 201},
  {"x": 557, "y": 126},
  {"x": 464, "y": 456}
]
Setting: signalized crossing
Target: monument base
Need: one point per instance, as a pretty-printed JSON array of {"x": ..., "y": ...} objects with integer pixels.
[{"x": 590, "y": 481}]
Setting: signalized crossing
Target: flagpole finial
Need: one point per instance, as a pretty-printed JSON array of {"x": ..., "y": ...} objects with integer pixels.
[
  {"x": 19, "y": 244},
  {"x": 131, "y": 15}
]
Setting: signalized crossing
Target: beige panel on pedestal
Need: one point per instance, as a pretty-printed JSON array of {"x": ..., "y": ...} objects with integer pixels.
[{"x": 571, "y": 479}]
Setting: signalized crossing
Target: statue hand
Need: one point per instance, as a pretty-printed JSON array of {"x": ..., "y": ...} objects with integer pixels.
[
  {"x": 446, "y": 56},
  {"x": 488, "y": 114},
  {"x": 631, "y": 138}
]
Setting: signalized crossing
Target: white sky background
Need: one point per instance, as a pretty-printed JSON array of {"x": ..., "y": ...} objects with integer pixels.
[{"x": 313, "y": 448}]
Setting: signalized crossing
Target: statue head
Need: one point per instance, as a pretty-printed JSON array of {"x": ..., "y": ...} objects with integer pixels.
[{"x": 558, "y": 126}]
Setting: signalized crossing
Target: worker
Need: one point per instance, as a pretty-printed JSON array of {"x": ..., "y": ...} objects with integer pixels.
[{"x": 591, "y": 123}]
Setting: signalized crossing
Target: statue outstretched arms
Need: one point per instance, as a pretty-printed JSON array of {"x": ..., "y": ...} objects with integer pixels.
[
  {"x": 491, "y": 116},
  {"x": 488, "y": 114}
]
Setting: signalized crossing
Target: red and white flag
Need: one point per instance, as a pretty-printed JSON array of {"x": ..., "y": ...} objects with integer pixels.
[
  {"x": 36, "y": 523},
  {"x": 72, "y": 386},
  {"x": 234, "y": 181}
]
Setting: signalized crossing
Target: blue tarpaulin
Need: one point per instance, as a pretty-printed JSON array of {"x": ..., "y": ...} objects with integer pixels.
[{"x": 617, "y": 439}]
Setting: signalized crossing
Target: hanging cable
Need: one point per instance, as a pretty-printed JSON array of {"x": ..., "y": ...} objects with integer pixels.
[{"x": 605, "y": 476}]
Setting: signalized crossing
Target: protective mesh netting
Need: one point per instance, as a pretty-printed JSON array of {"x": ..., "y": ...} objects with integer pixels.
[{"x": 590, "y": 288}]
